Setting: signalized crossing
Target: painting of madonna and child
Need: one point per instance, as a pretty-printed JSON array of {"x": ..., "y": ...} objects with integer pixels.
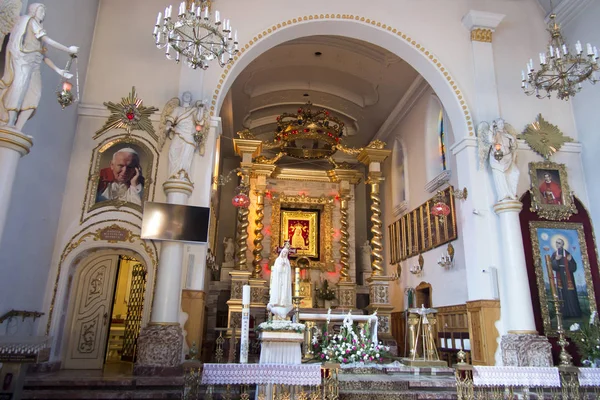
[{"x": 561, "y": 261}]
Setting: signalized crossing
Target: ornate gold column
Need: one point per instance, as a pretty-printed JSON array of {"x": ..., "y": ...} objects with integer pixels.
[
  {"x": 247, "y": 149},
  {"x": 346, "y": 287},
  {"x": 379, "y": 292}
]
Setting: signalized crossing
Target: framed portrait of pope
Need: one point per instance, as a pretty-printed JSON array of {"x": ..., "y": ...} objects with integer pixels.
[{"x": 301, "y": 229}]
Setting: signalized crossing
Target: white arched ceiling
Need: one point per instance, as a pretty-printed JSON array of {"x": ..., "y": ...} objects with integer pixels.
[
  {"x": 359, "y": 82},
  {"x": 383, "y": 37}
]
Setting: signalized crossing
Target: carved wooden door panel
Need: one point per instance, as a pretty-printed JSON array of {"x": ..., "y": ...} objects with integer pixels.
[{"x": 93, "y": 298}]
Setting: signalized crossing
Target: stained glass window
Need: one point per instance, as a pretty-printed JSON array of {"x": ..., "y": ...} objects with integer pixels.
[{"x": 442, "y": 138}]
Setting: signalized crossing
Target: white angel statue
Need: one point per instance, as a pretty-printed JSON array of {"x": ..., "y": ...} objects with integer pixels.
[
  {"x": 187, "y": 124},
  {"x": 498, "y": 145},
  {"x": 21, "y": 84}
]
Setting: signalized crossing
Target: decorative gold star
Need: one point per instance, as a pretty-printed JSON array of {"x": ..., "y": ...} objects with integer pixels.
[{"x": 130, "y": 115}]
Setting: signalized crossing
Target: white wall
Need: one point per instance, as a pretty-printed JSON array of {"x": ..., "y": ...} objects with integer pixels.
[
  {"x": 585, "y": 107},
  {"x": 26, "y": 248},
  {"x": 448, "y": 286}
]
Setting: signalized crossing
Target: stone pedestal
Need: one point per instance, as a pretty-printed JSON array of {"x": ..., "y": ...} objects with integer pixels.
[
  {"x": 526, "y": 351},
  {"x": 13, "y": 146},
  {"x": 226, "y": 268},
  {"x": 379, "y": 300},
  {"x": 234, "y": 304},
  {"x": 159, "y": 350},
  {"x": 259, "y": 293},
  {"x": 347, "y": 295}
]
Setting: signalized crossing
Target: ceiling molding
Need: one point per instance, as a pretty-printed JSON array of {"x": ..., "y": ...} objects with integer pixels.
[
  {"x": 358, "y": 47},
  {"x": 568, "y": 10},
  {"x": 406, "y": 103}
]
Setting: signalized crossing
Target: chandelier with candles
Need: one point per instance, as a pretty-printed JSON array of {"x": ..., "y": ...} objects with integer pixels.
[
  {"x": 196, "y": 35},
  {"x": 560, "y": 71}
]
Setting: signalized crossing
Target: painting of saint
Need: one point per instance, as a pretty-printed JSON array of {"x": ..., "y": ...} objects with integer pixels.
[
  {"x": 562, "y": 260},
  {"x": 120, "y": 179},
  {"x": 298, "y": 231},
  {"x": 549, "y": 186}
]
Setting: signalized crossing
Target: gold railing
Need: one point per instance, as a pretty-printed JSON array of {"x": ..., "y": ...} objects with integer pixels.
[
  {"x": 569, "y": 389},
  {"x": 194, "y": 390}
]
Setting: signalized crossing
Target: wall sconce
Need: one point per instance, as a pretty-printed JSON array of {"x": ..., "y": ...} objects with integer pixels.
[
  {"x": 418, "y": 269},
  {"x": 447, "y": 260}
]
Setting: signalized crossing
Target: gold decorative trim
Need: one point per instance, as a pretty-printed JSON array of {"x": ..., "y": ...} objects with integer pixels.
[
  {"x": 508, "y": 205},
  {"x": 325, "y": 205},
  {"x": 555, "y": 212},
  {"x": 292, "y": 174},
  {"x": 543, "y": 137},
  {"x": 72, "y": 245},
  {"x": 481, "y": 35},
  {"x": 517, "y": 332},
  {"x": 268, "y": 31},
  {"x": 258, "y": 235},
  {"x": 89, "y": 202},
  {"x": 344, "y": 243},
  {"x": 15, "y": 140},
  {"x": 301, "y": 215},
  {"x": 539, "y": 272}
]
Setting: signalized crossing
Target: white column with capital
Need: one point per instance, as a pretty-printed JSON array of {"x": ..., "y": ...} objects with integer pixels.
[
  {"x": 516, "y": 325},
  {"x": 13, "y": 146}
]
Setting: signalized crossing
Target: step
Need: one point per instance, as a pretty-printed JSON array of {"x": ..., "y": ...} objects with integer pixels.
[
  {"x": 100, "y": 394},
  {"x": 398, "y": 395}
]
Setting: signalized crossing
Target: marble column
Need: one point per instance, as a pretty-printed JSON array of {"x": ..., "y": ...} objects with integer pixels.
[
  {"x": 13, "y": 146},
  {"x": 521, "y": 346},
  {"x": 160, "y": 342},
  {"x": 379, "y": 283},
  {"x": 347, "y": 283},
  {"x": 246, "y": 149}
]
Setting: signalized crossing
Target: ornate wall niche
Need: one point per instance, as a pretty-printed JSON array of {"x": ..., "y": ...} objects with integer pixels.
[
  {"x": 324, "y": 205},
  {"x": 109, "y": 187}
]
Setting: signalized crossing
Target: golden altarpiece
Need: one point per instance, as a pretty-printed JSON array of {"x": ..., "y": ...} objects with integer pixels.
[{"x": 313, "y": 209}]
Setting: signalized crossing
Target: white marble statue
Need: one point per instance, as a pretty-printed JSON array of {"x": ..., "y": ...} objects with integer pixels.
[
  {"x": 229, "y": 250},
  {"x": 21, "y": 84},
  {"x": 187, "y": 125},
  {"x": 280, "y": 289},
  {"x": 498, "y": 146},
  {"x": 365, "y": 251}
]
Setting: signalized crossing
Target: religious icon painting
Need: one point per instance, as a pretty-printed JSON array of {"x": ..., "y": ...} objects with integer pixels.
[
  {"x": 301, "y": 229},
  {"x": 563, "y": 272},
  {"x": 551, "y": 197},
  {"x": 120, "y": 174}
]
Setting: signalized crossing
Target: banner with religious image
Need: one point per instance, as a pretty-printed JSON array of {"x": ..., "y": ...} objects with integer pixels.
[
  {"x": 301, "y": 229},
  {"x": 562, "y": 267}
]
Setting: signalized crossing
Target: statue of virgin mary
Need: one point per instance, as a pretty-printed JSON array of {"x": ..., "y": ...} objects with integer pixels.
[{"x": 280, "y": 288}]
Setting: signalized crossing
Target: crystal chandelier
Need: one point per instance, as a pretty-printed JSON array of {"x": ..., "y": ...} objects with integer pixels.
[
  {"x": 196, "y": 35},
  {"x": 560, "y": 70}
]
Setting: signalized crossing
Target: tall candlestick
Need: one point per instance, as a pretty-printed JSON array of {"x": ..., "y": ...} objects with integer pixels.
[
  {"x": 297, "y": 282},
  {"x": 551, "y": 276}
]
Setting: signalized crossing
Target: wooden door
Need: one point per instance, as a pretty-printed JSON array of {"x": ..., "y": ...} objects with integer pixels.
[{"x": 91, "y": 312}]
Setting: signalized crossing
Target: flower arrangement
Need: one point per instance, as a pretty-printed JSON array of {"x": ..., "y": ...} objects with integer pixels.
[
  {"x": 351, "y": 345},
  {"x": 325, "y": 292},
  {"x": 276, "y": 325},
  {"x": 587, "y": 339}
]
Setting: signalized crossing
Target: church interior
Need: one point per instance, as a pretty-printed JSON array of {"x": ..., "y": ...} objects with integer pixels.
[{"x": 316, "y": 200}]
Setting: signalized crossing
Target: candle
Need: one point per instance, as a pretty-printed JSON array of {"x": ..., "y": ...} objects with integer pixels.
[
  {"x": 564, "y": 48},
  {"x": 206, "y": 13},
  {"x": 182, "y": 8},
  {"x": 158, "y": 18},
  {"x": 589, "y": 49},
  {"x": 578, "y": 47},
  {"x": 235, "y": 37},
  {"x": 297, "y": 282},
  {"x": 217, "y": 17},
  {"x": 595, "y": 52},
  {"x": 551, "y": 276},
  {"x": 246, "y": 295}
]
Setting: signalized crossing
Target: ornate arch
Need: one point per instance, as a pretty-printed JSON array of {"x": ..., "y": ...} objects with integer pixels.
[{"x": 424, "y": 61}]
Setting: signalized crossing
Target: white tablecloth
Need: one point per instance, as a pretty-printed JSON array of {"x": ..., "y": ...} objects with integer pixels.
[
  {"x": 589, "y": 376},
  {"x": 261, "y": 374},
  {"x": 516, "y": 376},
  {"x": 288, "y": 353}
]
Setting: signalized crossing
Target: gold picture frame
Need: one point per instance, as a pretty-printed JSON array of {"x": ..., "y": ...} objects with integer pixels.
[
  {"x": 101, "y": 155},
  {"x": 300, "y": 228},
  {"x": 418, "y": 231},
  {"x": 546, "y": 257},
  {"x": 551, "y": 196},
  {"x": 324, "y": 205}
]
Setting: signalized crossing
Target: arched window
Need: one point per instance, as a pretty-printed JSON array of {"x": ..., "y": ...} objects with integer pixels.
[
  {"x": 442, "y": 140},
  {"x": 399, "y": 177}
]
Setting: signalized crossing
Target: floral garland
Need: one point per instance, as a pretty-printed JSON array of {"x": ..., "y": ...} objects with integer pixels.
[
  {"x": 272, "y": 326},
  {"x": 351, "y": 345},
  {"x": 587, "y": 339}
]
